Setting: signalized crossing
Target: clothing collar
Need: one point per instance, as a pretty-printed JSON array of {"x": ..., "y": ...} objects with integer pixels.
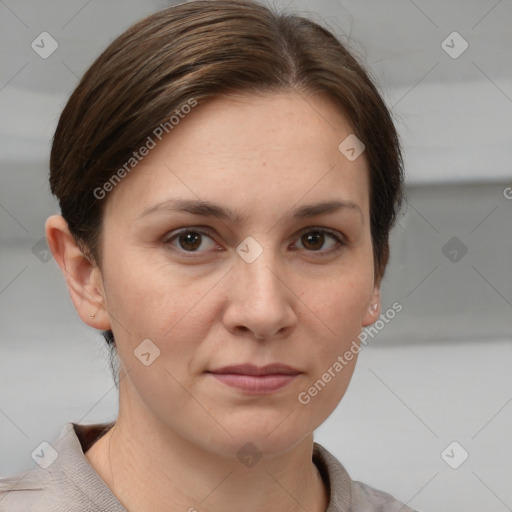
[{"x": 76, "y": 438}]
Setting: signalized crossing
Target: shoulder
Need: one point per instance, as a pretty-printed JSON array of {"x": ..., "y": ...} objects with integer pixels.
[
  {"x": 366, "y": 499},
  {"x": 348, "y": 494},
  {"x": 24, "y": 492},
  {"x": 63, "y": 481}
]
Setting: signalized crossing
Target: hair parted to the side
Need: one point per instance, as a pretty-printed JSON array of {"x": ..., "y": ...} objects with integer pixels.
[{"x": 202, "y": 50}]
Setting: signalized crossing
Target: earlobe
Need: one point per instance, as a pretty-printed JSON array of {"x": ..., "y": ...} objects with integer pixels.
[
  {"x": 373, "y": 309},
  {"x": 82, "y": 276}
]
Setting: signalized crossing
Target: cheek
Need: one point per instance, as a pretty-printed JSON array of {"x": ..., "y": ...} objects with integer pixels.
[
  {"x": 342, "y": 304},
  {"x": 136, "y": 300},
  {"x": 144, "y": 297},
  {"x": 340, "y": 307},
  {"x": 172, "y": 309}
]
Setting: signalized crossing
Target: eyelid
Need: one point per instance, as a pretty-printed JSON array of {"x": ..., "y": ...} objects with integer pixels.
[
  {"x": 203, "y": 230},
  {"x": 206, "y": 231},
  {"x": 338, "y": 237},
  {"x": 336, "y": 234}
]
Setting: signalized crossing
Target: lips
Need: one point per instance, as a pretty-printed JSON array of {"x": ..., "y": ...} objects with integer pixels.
[
  {"x": 256, "y": 379},
  {"x": 249, "y": 369}
]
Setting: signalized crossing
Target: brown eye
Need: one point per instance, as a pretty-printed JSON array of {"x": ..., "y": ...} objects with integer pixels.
[
  {"x": 189, "y": 241},
  {"x": 314, "y": 240}
]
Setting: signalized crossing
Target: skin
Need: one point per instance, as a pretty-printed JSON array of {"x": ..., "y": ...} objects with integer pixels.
[{"x": 301, "y": 303}]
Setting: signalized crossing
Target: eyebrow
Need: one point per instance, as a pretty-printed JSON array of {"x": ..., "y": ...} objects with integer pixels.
[{"x": 209, "y": 209}]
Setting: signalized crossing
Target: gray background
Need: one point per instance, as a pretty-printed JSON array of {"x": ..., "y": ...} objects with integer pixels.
[{"x": 439, "y": 372}]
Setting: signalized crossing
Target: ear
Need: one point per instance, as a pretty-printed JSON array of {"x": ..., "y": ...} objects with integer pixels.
[
  {"x": 373, "y": 307},
  {"x": 82, "y": 276}
]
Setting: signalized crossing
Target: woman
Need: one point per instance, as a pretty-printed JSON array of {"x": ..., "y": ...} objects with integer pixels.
[{"x": 228, "y": 178}]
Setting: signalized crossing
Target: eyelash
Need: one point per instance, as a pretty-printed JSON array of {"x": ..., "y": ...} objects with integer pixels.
[{"x": 340, "y": 242}]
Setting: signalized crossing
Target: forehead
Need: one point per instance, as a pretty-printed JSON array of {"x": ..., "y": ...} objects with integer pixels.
[
  {"x": 265, "y": 122},
  {"x": 249, "y": 151}
]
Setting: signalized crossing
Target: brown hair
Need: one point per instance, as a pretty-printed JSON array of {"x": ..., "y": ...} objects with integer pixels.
[{"x": 203, "y": 50}]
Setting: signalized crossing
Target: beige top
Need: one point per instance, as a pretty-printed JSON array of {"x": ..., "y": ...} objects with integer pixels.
[{"x": 69, "y": 483}]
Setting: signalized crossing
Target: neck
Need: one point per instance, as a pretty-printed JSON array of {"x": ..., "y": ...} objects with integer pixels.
[{"x": 155, "y": 470}]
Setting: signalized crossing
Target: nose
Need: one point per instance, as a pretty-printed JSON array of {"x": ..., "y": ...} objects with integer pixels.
[{"x": 260, "y": 299}]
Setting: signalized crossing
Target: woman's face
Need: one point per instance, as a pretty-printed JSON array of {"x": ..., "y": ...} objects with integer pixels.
[{"x": 270, "y": 285}]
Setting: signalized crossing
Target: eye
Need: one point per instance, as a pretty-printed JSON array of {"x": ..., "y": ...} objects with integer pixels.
[
  {"x": 314, "y": 239},
  {"x": 189, "y": 240},
  {"x": 192, "y": 240}
]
